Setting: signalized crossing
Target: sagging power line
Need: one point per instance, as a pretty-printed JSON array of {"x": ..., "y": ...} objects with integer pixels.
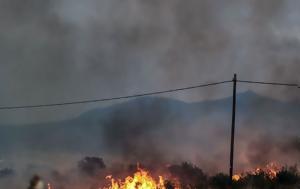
[
  {"x": 269, "y": 83},
  {"x": 113, "y": 98},
  {"x": 234, "y": 81},
  {"x": 144, "y": 94},
  {"x": 234, "y": 104}
]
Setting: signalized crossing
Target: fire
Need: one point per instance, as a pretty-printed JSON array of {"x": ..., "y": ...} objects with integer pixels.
[
  {"x": 270, "y": 170},
  {"x": 49, "y": 186},
  {"x": 236, "y": 177},
  {"x": 141, "y": 180}
]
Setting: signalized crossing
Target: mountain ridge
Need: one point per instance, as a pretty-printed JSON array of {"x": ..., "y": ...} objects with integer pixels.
[{"x": 146, "y": 115}]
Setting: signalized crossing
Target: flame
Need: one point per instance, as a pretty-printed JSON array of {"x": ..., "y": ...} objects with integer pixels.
[
  {"x": 49, "y": 186},
  {"x": 141, "y": 180},
  {"x": 270, "y": 170},
  {"x": 236, "y": 177}
]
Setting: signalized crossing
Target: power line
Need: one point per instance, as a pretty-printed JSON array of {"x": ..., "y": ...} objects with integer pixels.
[
  {"x": 113, "y": 98},
  {"x": 269, "y": 83},
  {"x": 235, "y": 80},
  {"x": 143, "y": 94}
]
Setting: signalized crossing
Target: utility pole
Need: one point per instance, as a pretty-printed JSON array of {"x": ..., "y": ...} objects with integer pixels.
[{"x": 232, "y": 130}]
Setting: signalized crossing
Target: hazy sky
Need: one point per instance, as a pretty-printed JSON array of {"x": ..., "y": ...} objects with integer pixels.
[{"x": 62, "y": 50}]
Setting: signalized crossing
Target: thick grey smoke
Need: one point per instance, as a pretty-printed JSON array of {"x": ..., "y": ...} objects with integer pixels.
[
  {"x": 53, "y": 51},
  {"x": 62, "y": 50}
]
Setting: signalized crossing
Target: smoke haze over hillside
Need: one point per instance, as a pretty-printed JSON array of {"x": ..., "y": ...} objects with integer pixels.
[
  {"x": 63, "y": 50},
  {"x": 146, "y": 130},
  {"x": 66, "y": 50}
]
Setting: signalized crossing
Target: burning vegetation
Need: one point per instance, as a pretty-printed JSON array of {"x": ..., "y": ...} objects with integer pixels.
[
  {"x": 270, "y": 171},
  {"x": 177, "y": 176},
  {"x": 141, "y": 180}
]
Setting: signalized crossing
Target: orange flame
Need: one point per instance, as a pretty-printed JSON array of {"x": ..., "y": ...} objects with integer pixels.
[
  {"x": 49, "y": 186},
  {"x": 236, "y": 177},
  {"x": 141, "y": 180},
  {"x": 270, "y": 170}
]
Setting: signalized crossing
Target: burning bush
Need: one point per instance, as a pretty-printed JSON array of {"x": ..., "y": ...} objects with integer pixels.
[
  {"x": 140, "y": 180},
  {"x": 177, "y": 176},
  {"x": 259, "y": 181},
  {"x": 270, "y": 179}
]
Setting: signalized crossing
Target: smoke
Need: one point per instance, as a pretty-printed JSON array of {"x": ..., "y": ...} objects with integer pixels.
[
  {"x": 56, "y": 51},
  {"x": 91, "y": 165},
  {"x": 51, "y": 50},
  {"x": 6, "y": 172},
  {"x": 265, "y": 149},
  {"x": 159, "y": 131},
  {"x": 36, "y": 183},
  {"x": 266, "y": 131}
]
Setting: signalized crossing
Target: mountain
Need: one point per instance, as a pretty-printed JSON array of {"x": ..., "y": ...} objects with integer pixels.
[{"x": 135, "y": 124}]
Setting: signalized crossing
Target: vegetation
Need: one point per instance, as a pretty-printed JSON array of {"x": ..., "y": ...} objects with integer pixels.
[{"x": 191, "y": 176}]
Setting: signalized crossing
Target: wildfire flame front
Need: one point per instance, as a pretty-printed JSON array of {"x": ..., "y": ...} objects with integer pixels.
[{"x": 141, "y": 180}]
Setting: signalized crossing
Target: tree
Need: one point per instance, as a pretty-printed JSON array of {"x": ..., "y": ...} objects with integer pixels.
[{"x": 91, "y": 166}]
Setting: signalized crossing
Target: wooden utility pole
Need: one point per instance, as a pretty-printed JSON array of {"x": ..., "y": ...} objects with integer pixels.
[{"x": 232, "y": 130}]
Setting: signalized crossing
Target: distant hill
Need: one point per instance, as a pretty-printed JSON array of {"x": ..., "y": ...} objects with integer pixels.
[{"x": 126, "y": 129}]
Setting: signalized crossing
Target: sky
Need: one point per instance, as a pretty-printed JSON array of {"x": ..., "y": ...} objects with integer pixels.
[{"x": 54, "y": 51}]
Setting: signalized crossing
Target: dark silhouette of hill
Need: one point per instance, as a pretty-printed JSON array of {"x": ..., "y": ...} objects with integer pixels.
[{"x": 127, "y": 128}]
